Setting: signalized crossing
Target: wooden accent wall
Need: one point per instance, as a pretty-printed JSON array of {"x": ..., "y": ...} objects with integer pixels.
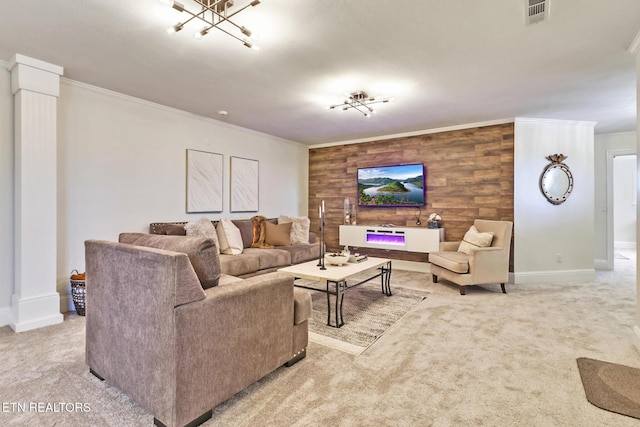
[{"x": 469, "y": 175}]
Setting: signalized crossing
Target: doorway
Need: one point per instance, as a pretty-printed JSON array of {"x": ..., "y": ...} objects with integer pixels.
[{"x": 625, "y": 182}]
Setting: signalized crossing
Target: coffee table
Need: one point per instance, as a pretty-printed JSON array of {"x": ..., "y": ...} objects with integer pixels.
[{"x": 336, "y": 277}]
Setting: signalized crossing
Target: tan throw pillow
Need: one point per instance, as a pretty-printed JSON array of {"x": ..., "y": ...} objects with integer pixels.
[
  {"x": 278, "y": 235},
  {"x": 474, "y": 239},
  {"x": 203, "y": 228},
  {"x": 299, "y": 228},
  {"x": 229, "y": 237}
]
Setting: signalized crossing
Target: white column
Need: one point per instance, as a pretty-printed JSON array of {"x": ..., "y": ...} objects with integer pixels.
[{"x": 36, "y": 86}]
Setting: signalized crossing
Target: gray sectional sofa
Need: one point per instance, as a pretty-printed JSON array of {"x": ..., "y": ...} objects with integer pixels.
[
  {"x": 251, "y": 261},
  {"x": 171, "y": 327}
]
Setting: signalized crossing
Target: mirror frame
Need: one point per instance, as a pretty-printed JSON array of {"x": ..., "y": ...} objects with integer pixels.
[{"x": 556, "y": 164}]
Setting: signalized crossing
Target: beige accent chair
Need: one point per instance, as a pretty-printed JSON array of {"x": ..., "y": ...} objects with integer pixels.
[{"x": 482, "y": 266}]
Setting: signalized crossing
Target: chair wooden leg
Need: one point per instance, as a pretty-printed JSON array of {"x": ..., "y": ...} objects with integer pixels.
[
  {"x": 463, "y": 290},
  {"x": 504, "y": 291},
  {"x": 434, "y": 278}
]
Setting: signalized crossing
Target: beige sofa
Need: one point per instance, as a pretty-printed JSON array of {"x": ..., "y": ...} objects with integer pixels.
[
  {"x": 167, "y": 328},
  {"x": 252, "y": 261}
]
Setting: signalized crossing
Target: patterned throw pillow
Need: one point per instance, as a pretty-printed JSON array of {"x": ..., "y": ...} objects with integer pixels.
[
  {"x": 299, "y": 227},
  {"x": 203, "y": 228},
  {"x": 229, "y": 237},
  {"x": 474, "y": 239}
]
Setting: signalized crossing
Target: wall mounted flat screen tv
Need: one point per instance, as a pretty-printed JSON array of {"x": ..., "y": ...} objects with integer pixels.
[{"x": 402, "y": 185}]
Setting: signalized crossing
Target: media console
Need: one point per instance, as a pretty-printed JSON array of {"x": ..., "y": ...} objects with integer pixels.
[{"x": 409, "y": 239}]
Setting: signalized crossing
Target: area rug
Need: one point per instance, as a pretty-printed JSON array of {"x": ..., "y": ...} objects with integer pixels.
[
  {"x": 612, "y": 387},
  {"x": 367, "y": 314}
]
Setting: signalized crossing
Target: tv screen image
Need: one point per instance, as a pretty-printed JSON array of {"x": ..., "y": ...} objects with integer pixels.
[{"x": 401, "y": 185}]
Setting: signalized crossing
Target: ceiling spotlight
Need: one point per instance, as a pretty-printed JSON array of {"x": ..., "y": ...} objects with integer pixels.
[
  {"x": 361, "y": 102},
  {"x": 213, "y": 13}
]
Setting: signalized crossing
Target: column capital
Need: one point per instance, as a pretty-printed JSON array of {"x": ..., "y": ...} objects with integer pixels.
[{"x": 34, "y": 75}]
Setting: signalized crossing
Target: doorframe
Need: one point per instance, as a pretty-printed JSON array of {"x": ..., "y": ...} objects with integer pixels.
[{"x": 611, "y": 154}]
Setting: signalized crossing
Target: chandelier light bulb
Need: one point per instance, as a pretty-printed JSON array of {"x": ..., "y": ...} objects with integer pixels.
[
  {"x": 175, "y": 28},
  {"x": 199, "y": 34},
  {"x": 245, "y": 31},
  {"x": 251, "y": 45}
]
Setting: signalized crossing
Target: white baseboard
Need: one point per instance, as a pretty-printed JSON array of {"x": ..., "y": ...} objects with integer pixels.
[
  {"x": 5, "y": 316},
  {"x": 602, "y": 264},
  {"x": 66, "y": 304},
  {"x": 560, "y": 276},
  {"x": 624, "y": 245},
  {"x": 35, "y": 312}
]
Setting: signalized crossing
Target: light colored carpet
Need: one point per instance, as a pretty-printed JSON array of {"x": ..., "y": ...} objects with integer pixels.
[
  {"x": 484, "y": 359},
  {"x": 611, "y": 386},
  {"x": 367, "y": 314}
]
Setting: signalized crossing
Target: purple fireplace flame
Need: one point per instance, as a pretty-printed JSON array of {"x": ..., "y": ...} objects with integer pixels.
[{"x": 386, "y": 239}]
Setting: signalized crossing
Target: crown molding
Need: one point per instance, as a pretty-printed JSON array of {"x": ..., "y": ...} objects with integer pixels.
[{"x": 415, "y": 133}]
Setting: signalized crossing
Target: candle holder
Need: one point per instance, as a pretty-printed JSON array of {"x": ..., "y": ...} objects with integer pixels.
[{"x": 321, "y": 235}]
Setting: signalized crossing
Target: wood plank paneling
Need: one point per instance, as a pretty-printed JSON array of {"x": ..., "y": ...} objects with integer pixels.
[{"x": 469, "y": 175}]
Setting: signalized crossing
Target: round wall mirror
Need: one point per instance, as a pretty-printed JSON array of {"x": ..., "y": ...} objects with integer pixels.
[{"x": 556, "y": 181}]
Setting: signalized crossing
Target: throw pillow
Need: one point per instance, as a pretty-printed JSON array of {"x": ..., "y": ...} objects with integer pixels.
[
  {"x": 299, "y": 228},
  {"x": 203, "y": 228},
  {"x": 474, "y": 239},
  {"x": 229, "y": 237},
  {"x": 278, "y": 235}
]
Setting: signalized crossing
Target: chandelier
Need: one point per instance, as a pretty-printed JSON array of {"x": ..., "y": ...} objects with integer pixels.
[
  {"x": 213, "y": 13},
  {"x": 360, "y": 101}
]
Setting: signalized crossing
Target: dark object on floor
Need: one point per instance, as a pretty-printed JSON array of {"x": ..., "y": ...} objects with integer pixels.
[{"x": 611, "y": 387}]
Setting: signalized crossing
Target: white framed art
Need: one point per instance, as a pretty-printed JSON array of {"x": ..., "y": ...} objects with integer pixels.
[
  {"x": 204, "y": 181},
  {"x": 244, "y": 185}
]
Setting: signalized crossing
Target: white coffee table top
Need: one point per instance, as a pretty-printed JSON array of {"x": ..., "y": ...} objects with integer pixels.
[{"x": 335, "y": 273}]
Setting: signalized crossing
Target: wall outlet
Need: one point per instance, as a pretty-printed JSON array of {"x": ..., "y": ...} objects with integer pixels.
[{"x": 559, "y": 258}]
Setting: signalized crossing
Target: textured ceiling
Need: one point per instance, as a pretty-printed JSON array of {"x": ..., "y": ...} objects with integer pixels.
[{"x": 447, "y": 63}]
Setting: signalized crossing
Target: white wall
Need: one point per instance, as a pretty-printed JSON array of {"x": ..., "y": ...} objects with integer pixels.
[
  {"x": 553, "y": 242},
  {"x": 6, "y": 193},
  {"x": 122, "y": 165},
  {"x": 624, "y": 201},
  {"x": 606, "y": 147}
]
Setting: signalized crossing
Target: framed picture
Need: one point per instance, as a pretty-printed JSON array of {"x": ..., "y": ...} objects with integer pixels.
[
  {"x": 204, "y": 181},
  {"x": 244, "y": 185}
]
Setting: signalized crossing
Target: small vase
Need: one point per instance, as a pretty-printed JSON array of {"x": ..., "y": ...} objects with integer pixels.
[{"x": 433, "y": 224}]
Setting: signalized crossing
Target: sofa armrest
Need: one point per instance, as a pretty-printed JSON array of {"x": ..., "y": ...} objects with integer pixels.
[
  {"x": 449, "y": 246},
  {"x": 235, "y": 336},
  {"x": 489, "y": 265}
]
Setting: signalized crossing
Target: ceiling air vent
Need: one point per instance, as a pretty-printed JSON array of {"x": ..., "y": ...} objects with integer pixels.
[{"x": 536, "y": 11}]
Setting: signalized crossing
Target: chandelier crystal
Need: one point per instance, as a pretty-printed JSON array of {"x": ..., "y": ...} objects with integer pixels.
[
  {"x": 214, "y": 14},
  {"x": 361, "y": 102}
]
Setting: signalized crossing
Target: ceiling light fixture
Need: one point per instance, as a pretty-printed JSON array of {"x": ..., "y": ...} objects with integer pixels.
[
  {"x": 213, "y": 13},
  {"x": 361, "y": 102}
]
